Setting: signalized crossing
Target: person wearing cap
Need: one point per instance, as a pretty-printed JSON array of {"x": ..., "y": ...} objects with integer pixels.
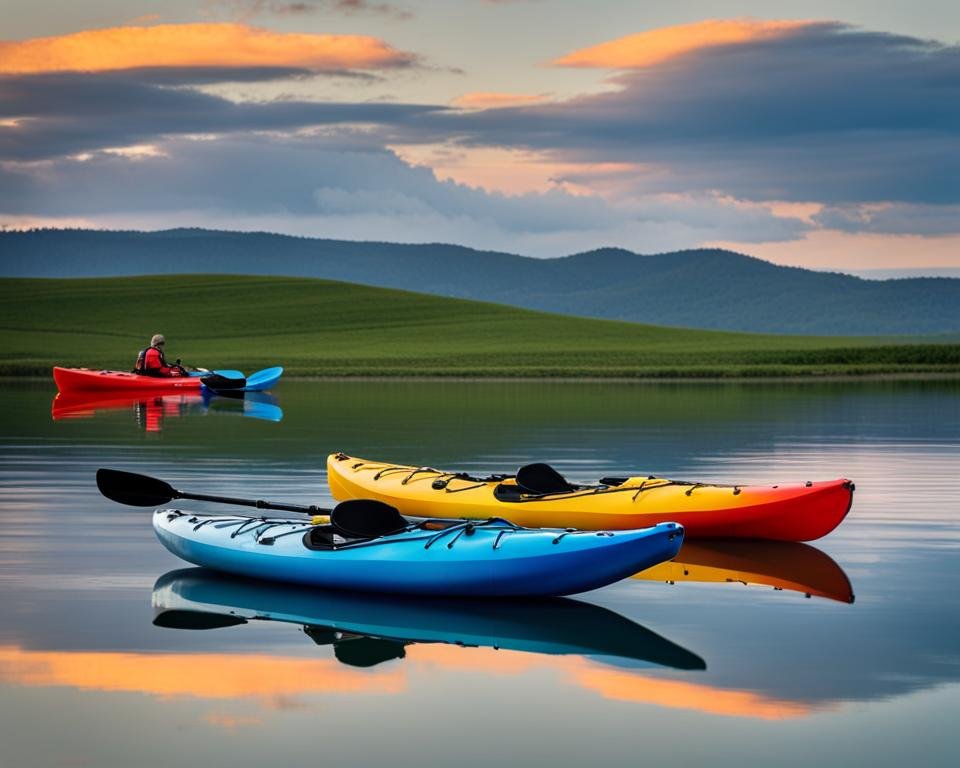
[{"x": 151, "y": 362}]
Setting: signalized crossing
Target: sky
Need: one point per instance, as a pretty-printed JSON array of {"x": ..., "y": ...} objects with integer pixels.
[{"x": 815, "y": 134}]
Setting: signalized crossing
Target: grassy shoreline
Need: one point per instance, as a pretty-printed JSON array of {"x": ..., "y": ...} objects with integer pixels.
[
  {"x": 899, "y": 376},
  {"x": 329, "y": 330}
]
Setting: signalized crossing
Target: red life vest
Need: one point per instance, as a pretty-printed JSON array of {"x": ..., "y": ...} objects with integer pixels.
[{"x": 154, "y": 364}]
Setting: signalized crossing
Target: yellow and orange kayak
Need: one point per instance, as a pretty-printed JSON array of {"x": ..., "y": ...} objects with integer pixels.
[{"x": 796, "y": 512}]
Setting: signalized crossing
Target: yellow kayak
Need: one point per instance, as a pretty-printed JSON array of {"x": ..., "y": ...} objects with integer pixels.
[{"x": 538, "y": 497}]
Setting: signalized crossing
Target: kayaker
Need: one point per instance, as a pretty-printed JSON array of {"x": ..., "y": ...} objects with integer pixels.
[{"x": 151, "y": 362}]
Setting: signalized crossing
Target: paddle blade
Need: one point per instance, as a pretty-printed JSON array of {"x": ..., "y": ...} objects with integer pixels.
[
  {"x": 134, "y": 490},
  {"x": 220, "y": 383},
  {"x": 261, "y": 380}
]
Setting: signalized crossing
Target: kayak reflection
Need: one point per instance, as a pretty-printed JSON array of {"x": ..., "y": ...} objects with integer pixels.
[
  {"x": 779, "y": 564},
  {"x": 367, "y": 629},
  {"x": 150, "y": 410}
]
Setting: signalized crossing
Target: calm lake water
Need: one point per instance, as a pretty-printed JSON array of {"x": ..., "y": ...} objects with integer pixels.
[{"x": 685, "y": 666}]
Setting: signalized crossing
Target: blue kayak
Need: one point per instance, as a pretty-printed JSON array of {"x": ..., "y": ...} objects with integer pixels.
[
  {"x": 367, "y": 627},
  {"x": 418, "y": 557}
]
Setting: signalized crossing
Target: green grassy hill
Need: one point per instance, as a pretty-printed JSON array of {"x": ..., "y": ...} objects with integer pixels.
[{"x": 319, "y": 327}]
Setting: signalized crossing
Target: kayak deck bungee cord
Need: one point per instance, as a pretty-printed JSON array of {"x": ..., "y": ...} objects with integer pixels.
[
  {"x": 537, "y": 496},
  {"x": 422, "y": 557}
]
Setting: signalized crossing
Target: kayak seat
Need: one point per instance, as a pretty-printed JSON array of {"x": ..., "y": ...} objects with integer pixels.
[
  {"x": 323, "y": 537},
  {"x": 541, "y": 479},
  {"x": 613, "y": 481},
  {"x": 366, "y": 519},
  {"x": 509, "y": 492}
]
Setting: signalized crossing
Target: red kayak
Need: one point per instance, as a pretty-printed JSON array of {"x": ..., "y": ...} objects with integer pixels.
[{"x": 88, "y": 380}]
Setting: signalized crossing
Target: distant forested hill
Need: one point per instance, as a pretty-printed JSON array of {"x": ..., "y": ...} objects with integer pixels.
[{"x": 706, "y": 288}]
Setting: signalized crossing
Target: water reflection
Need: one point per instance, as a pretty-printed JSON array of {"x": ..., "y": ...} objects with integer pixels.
[
  {"x": 778, "y": 564},
  {"x": 365, "y": 629},
  {"x": 266, "y": 678},
  {"x": 278, "y": 681},
  {"x": 150, "y": 410},
  {"x": 788, "y": 680}
]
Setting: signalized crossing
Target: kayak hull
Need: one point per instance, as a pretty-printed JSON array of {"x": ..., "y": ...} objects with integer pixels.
[
  {"x": 87, "y": 380},
  {"x": 796, "y": 512},
  {"x": 494, "y": 559}
]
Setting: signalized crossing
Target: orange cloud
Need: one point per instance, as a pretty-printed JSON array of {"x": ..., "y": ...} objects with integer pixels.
[
  {"x": 509, "y": 171},
  {"x": 492, "y": 100},
  {"x": 647, "y": 49},
  {"x": 195, "y": 45}
]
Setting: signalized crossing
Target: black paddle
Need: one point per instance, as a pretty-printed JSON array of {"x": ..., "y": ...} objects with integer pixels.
[
  {"x": 219, "y": 383},
  {"x": 144, "y": 491}
]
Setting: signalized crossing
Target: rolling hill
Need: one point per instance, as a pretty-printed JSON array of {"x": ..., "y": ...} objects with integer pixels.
[
  {"x": 710, "y": 289},
  {"x": 321, "y": 327}
]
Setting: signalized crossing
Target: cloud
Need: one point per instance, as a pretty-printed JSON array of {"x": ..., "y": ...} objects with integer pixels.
[
  {"x": 891, "y": 219},
  {"x": 815, "y": 113},
  {"x": 51, "y": 115},
  {"x": 196, "y": 45},
  {"x": 647, "y": 49},
  {"x": 246, "y": 9},
  {"x": 348, "y": 186},
  {"x": 720, "y": 131},
  {"x": 492, "y": 100}
]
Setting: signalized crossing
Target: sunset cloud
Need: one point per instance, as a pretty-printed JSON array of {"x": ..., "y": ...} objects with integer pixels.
[
  {"x": 655, "y": 46},
  {"x": 809, "y": 113},
  {"x": 349, "y": 187},
  {"x": 493, "y": 100},
  {"x": 196, "y": 45},
  {"x": 736, "y": 131}
]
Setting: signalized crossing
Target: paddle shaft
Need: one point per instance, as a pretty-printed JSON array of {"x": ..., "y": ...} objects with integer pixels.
[
  {"x": 257, "y": 503},
  {"x": 144, "y": 491}
]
